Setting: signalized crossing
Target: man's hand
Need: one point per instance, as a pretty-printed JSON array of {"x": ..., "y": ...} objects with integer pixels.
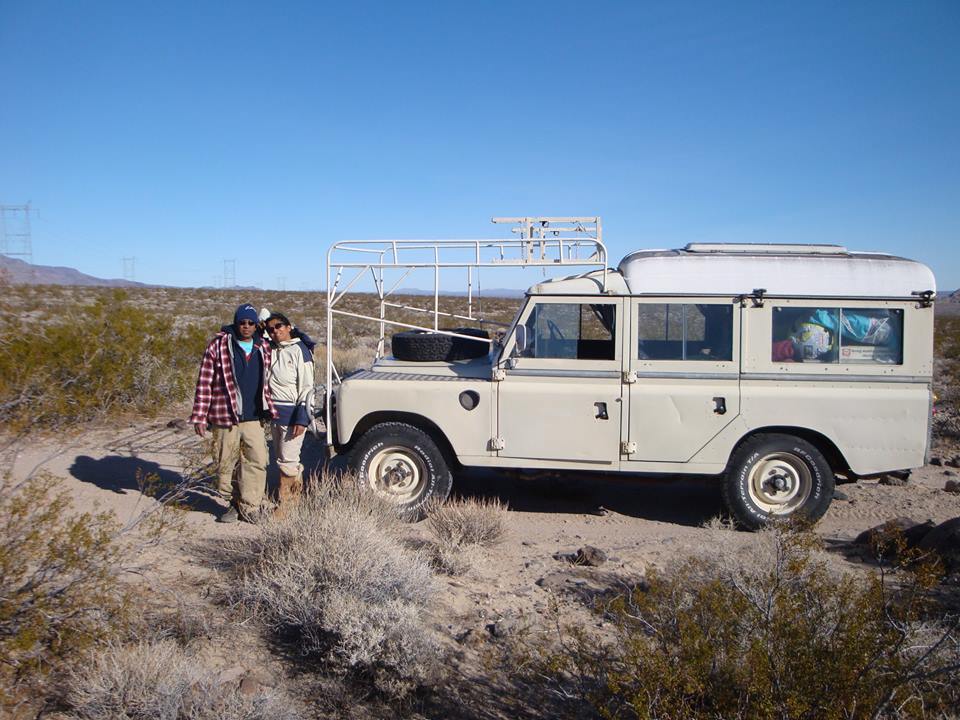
[
  {"x": 200, "y": 429},
  {"x": 297, "y": 430}
]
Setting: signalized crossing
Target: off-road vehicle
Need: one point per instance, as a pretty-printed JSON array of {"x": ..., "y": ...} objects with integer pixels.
[{"x": 774, "y": 368}]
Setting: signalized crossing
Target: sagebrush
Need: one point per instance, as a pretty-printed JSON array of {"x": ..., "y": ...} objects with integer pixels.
[
  {"x": 159, "y": 680},
  {"x": 335, "y": 578},
  {"x": 460, "y": 527}
]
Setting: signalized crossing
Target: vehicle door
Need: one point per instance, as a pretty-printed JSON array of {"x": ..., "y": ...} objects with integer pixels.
[
  {"x": 560, "y": 397},
  {"x": 683, "y": 376}
]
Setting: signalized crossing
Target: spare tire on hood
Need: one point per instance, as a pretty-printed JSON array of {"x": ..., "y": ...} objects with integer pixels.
[{"x": 423, "y": 346}]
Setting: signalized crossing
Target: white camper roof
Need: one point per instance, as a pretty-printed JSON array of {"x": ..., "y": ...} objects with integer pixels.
[{"x": 782, "y": 270}]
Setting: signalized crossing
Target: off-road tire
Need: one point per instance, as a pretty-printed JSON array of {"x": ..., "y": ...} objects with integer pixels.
[
  {"x": 750, "y": 491},
  {"x": 422, "y": 346},
  {"x": 468, "y": 349},
  {"x": 402, "y": 464}
]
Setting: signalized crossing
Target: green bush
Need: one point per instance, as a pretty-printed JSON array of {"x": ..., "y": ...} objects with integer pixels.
[
  {"x": 764, "y": 632},
  {"x": 89, "y": 360},
  {"x": 59, "y": 589}
]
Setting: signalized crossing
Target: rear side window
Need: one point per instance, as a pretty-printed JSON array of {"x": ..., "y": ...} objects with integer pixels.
[
  {"x": 837, "y": 335},
  {"x": 675, "y": 331},
  {"x": 572, "y": 331}
]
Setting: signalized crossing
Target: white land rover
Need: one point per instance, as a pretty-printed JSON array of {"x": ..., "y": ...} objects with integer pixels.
[{"x": 771, "y": 367}]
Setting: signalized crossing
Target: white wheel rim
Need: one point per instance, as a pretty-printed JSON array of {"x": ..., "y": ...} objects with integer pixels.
[
  {"x": 779, "y": 483},
  {"x": 396, "y": 474}
]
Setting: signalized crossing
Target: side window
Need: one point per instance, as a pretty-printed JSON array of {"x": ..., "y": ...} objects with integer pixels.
[
  {"x": 677, "y": 331},
  {"x": 572, "y": 331},
  {"x": 837, "y": 335}
]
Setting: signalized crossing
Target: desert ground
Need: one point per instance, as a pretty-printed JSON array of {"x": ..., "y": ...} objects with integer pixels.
[
  {"x": 520, "y": 586},
  {"x": 525, "y": 585}
]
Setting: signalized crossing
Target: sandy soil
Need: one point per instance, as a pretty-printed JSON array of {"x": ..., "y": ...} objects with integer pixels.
[{"x": 637, "y": 523}]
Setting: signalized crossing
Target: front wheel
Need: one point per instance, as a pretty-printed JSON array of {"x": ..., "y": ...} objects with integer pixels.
[
  {"x": 402, "y": 464},
  {"x": 777, "y": 476}
]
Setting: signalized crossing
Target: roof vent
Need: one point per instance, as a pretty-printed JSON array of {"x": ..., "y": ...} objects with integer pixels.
[{"x": 766, "y": 248}]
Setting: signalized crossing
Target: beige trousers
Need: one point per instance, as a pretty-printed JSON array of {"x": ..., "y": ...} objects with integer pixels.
[
  {"x": 247, "y": 443},
  {"x": 287, "y": 449}
]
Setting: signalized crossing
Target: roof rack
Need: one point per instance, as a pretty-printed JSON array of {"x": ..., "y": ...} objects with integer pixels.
[
  {"x": 356, "y": 264},
  {"x": 767, "y": 248}
]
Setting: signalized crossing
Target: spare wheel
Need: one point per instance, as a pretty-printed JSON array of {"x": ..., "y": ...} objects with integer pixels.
[{"x": 422, "y": 346}]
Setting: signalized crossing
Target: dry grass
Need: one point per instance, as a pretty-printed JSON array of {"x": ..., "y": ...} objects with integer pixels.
[
  {"x": 159, "y": 680},
  {"x": 467, "y": 521},
  {"x": 461, "y": 527},
  {"x": 336, "y": 579}
]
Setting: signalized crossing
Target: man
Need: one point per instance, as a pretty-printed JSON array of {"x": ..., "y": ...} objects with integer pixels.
[{"x": 233, "y": 397}]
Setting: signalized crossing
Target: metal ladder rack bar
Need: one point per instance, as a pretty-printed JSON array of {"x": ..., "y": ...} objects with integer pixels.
[{"x": 542, "y": 242}]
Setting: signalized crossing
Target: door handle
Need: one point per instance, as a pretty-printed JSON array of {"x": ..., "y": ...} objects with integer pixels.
[
  {"x": 720, "y": 405},
  {"x": 601, "y": 411}
]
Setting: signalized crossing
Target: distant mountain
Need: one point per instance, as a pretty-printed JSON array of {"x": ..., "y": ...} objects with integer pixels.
[
  {"x": 19, "y": 272},
  {"x": 948, "y": 303}
]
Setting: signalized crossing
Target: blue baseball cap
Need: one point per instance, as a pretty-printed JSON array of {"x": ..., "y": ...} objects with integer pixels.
[{"x": 245, "y": 312}]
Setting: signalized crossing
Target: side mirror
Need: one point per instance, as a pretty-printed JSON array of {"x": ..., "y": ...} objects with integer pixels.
[{"x": 520, "y": 346}]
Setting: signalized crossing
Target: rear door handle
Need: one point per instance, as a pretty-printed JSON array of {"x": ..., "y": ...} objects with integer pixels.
[
  {"x": 720, "y": 405},
  {"x": 601, "y": 411}
]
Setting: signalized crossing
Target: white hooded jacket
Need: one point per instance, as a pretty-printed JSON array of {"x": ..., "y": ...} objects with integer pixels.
[{"x": 291, "y": 380}]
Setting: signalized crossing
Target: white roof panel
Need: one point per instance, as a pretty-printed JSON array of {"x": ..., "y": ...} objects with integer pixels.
[{"x": 794, "y": 270}]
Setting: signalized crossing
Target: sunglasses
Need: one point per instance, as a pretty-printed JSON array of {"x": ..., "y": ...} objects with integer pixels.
[
  {"x": 246, "y": 322},
  {"x": 274, "y": 328}
]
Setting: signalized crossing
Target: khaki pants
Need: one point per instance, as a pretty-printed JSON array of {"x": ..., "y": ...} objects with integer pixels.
[
  {"x": 287, "y": 449},
  {"x": 247, "y": 443}
]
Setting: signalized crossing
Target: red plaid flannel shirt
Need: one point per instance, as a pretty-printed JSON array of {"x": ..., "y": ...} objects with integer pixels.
[{"x": 215, "y": 401}]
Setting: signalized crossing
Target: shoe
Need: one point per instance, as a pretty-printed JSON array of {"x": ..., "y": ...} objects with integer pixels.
[{"x": 230, "y": 516}]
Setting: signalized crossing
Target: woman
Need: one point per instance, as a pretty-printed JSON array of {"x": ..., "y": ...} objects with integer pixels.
[{"x": 291, "y": 380}]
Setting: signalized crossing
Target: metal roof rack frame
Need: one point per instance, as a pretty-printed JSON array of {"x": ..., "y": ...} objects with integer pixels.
[{"x": 539, "y": 242}]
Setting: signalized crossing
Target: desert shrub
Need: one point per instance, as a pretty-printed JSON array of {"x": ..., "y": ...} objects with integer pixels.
[
  {"x": 764, "y": 632},
  {"x": 92, "y": 359},
  {"x": 946, "y": 380},
  {"x": 159, "y": 680},
  {"x": 335, "y": 578},
  {"x": 467, "y": 521},
  {"x": 186, "y": 622},
  {"x": 459, "y": 527},
  {"x": 947, "y": 337},
  {"x": 59, "y": 590}
]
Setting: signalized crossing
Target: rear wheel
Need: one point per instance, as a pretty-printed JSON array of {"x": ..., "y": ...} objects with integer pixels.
[
  {"x": 777, "y": 476},
  {"x": 401, "y": 464}
]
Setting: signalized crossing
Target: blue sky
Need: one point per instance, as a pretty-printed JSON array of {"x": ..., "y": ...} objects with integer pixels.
[{"x": 185, "y": 133}]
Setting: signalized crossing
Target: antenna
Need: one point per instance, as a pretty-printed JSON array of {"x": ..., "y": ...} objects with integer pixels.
[{"x": 230, "y": 273}]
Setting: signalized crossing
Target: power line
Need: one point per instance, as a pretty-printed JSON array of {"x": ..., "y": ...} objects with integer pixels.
[
  {"x": 129, "y": 269},
  {"x": 15, "y": 232},
  {"x": 229, "y": 273}
]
